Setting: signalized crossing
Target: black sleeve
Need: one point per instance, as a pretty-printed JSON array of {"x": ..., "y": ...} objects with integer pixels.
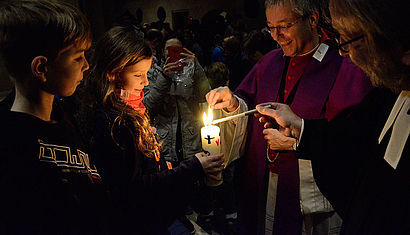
[
  {"x": 338, "y": 149},
  {"x": 135, "y": 178}
]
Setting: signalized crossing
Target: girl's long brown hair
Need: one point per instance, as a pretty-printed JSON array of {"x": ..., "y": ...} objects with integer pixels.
[{"x": 118, "y": 48}]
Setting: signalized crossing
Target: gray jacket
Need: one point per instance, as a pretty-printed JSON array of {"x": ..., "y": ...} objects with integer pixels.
[{"x": 165, "y": 99}]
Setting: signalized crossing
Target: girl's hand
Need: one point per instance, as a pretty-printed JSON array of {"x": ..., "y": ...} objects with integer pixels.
[{"x": 212, "y": 165}]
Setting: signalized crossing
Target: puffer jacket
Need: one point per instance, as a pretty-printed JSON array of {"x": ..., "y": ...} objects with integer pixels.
[{"x": 167, "y": 101}]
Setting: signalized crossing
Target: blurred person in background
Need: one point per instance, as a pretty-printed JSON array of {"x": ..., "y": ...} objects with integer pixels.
[{"x": 173, "y": 98}]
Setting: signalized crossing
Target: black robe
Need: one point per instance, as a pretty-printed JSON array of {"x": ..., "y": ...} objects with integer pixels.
[{"x": 349, "y": 168}]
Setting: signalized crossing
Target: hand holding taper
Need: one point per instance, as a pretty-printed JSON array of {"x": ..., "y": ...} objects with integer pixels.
[{"x": 236, "y": 116}]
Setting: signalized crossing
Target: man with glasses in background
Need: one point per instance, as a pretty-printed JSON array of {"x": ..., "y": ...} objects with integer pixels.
[
  {"x": 278, "y": 192},
  {"x": 362, "y": 162}
]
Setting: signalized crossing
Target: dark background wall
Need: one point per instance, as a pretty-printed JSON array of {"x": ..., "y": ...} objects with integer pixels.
[
  {"x": 252, "y": 11},
  {"x": 104, "y": 13}
]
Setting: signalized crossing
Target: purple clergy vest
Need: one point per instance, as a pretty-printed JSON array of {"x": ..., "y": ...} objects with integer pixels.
[{"x": 262, "y": 85}]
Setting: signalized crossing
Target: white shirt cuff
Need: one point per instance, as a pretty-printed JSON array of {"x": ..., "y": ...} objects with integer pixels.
[{"x": 301, "y": 132}]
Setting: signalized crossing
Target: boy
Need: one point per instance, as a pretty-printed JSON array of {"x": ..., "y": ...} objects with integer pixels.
[
  {"x": 48, "y": 183},
  {"x": 218, "y": 206},
  {"x": 218, "y": 74}
]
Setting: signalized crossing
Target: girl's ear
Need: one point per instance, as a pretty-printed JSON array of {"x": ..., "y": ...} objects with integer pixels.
[
  {"x": 39, "y": 68},
  {"x": 114, "y": 79},
  {"x": 111, "y": 77}
]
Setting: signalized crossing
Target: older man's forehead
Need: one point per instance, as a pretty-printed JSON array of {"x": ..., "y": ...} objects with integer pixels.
[
  {"x": 350, "y": 29},
  {"x": 336, "y": 26},
  {"x": 280, "y": 13},
  {"x": 336, "y": 20}
]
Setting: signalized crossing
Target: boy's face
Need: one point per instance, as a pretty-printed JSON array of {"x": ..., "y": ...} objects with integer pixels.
[{"x": 65, "y": 72}]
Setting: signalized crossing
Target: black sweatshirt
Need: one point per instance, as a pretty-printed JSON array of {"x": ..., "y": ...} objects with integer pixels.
[{"x": 48, "y": 183}]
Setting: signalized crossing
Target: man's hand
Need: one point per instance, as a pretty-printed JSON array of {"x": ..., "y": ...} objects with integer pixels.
[
  {"x": 189, "y": 54},
  {"x": 289, "y": 122},
  {"x": 277, "y": 141},
  {"x": 212, "y": 165},
  {"x": 222, "y": 97},
  {"x": 170, "y": 68},
  {"x": 267, "y": 121}
]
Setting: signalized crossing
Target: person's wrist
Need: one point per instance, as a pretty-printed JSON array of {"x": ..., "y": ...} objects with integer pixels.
[
  {"x": 294, "y": 145},
  {"x": 289, "y": 144},
  {"x": 233, "y": 105},
  {"x": 296, "y": 128}
]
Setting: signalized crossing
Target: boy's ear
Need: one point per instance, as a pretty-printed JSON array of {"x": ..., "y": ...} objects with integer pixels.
[{"x": 39, "y": 68}]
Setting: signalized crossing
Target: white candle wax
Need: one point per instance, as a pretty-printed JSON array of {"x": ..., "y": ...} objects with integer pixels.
[{"x": 211, "y": 141}]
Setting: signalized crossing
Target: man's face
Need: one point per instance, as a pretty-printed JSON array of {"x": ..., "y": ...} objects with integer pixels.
[
  {"x": 187, "y": 36},
  {"x": 293, "y": 33},
  {"x": 65, "y": 72},
  {"x": 378, "y": 60},
  {"x": 171, "y": 43},
  {"x": 357, "y": 51}
]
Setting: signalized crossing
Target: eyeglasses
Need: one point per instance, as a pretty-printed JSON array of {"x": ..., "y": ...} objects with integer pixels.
[
  {"x": 340, "y": 46},
  {"x": 284, "y": 28}
]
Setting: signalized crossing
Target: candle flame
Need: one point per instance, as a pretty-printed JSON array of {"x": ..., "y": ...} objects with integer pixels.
[{"x": 208, "y": 118}]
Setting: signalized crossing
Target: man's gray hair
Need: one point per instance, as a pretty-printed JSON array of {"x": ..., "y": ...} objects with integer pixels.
[
  {"x": 302, "y": 8},
  {"x": 305, "y": 8}
]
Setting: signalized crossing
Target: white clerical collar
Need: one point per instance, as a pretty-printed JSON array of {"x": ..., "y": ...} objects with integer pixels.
[
  {"x": 400, "y": 120},
  {"x": 320, "y": 51}
]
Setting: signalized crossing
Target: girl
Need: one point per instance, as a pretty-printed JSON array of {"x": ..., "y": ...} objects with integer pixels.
[{"x": 147, "y": 194}]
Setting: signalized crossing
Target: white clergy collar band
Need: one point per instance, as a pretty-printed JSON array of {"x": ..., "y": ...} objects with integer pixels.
[{"x": 399, "y": 120}]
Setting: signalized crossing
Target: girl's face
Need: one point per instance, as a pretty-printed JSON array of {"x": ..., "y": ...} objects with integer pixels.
[{"x": 134, "y": 77}]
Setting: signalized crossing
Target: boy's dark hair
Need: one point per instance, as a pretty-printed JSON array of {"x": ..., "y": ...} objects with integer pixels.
[
  {"x": 231, "y": 45},
  {"x": 31, "y": 28},
  {"x": 218, "y": 74}
]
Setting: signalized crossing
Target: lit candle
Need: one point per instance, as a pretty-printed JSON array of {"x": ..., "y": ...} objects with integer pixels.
[{"x": 211, "y": 141}]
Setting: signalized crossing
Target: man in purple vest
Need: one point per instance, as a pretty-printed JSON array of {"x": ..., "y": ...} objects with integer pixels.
[
  {"x": 362, "y": 162},
  {"x": 278, "y": 193}
]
